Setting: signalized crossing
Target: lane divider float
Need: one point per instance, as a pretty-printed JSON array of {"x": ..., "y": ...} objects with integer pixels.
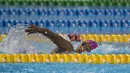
[
  {"x": 66, "y": 58},
  {"x": 122, "y": 38}
]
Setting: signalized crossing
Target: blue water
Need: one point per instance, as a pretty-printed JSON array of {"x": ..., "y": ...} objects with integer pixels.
[
  {"x": 112, "y": 48},
  {"x": 110, "y": 24},
  {"x": 104, "y": 48},
  {"x": 114, "y": 21},
  {"x": 63, "y": 68},
  {"x": 19, "y": 44}
]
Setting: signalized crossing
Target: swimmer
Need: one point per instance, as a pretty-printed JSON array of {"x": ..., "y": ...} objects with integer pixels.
[{"x": 63, "y": 45}]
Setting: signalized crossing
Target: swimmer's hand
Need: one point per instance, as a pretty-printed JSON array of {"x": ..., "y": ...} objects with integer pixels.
[{"x": 32, "y": 29}]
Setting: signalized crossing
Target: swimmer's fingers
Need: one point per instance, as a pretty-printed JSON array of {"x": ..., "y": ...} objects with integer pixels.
[
  {"x": 32, "y": 28},
  {"x": 28, "y": 30}
]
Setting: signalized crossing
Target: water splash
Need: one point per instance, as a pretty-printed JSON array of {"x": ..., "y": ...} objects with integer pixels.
[
  {"x": 17, "y": 42},
  {"x": 112, "y": 48}
]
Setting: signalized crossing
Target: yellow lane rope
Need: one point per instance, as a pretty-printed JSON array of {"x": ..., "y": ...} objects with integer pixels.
[
  {"x": 66, "y": 58},
  {"x": 106, "y": 38},
  {"x": 125, "y": 38}
]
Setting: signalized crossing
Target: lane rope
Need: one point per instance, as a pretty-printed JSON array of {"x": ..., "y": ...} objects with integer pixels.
[
  {"x": 66, "y": 58},
  {"x": 125, "y": 38}
]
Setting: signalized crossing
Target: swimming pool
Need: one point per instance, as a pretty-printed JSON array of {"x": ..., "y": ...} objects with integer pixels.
[
  {"x": 101, "y": 17},
  {"x": 63, "y": 68}
]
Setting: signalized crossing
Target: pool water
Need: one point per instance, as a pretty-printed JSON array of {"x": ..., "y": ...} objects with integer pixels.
[
  {"x": 104, "y": 48},
  {"x": 19, "y": 44},
  {"x": 99, "y": 24},
  {"x": 63, "y": 68}
]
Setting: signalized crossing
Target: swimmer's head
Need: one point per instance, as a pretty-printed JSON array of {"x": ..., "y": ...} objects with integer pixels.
[{"x": 87, "y": 46}]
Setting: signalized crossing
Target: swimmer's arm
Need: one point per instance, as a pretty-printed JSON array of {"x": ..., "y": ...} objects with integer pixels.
[
  {"x": 62, "y": 44},
  {"x": 47, "y": 32}
]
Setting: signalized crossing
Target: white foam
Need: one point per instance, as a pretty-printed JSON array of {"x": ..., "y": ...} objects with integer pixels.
[{"x": 16, "y": 42}]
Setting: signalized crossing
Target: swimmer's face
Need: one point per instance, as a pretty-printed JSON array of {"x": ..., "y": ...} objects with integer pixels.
[{"x": 84, "y": 47}]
